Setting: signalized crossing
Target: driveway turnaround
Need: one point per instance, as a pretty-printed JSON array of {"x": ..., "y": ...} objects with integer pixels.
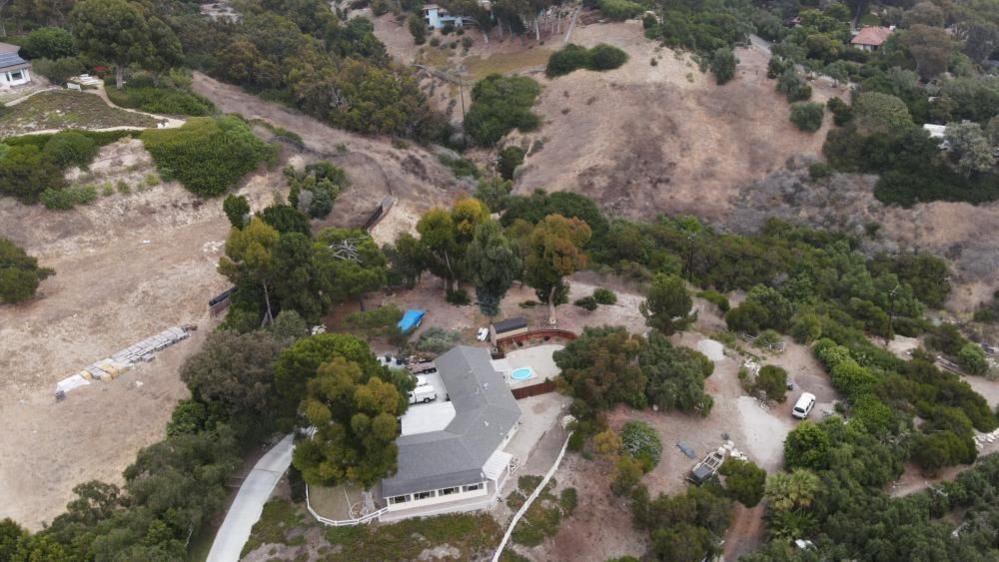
[{"x": 249, "y": 503}]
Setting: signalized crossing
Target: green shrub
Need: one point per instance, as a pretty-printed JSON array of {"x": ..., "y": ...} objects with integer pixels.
[
  {"x": 509, "y": 159},
  {"x": 58, "y": 70},
  {"x": 418, "y": 29},
  {"x": 458, "y": 297},
  {"x": 573, "y": 57},
  {"x": 723, "y": 63},
  {"x": 604, "y": 296},
  {"x": 642, "y": 442},
  {"x": 378, "y": 322},
  {"x": 568, "y": 499},
  {"x": 207, "y": 155},
  {"x": 772, "y": 381},
  {"x": 25, "y": 172},
  {"x": 972, "y": 359},
  {"x": 65, "y": 199},
  {"x": 587, "y": 303},
  {"x": 819, "y": 170},
  {"x": 567, "y": 59},
  {"x": 19, "y": 273},
  {"x": 715, "y": 298},
  {"x": 744, "y": 481},
  {"x": 606, "y": 57},
  {"x": 807, "y": 116},
  {"x": 437, "y": 340},
  {"x": 842, "y": 112},
  {"x": 70, "y": 148},
  {"x": 461, "y": 167},
  {"x": 48, "y": 43},
  {"x": 619, "y": 10},
  {"x": 792, "y": 86},
  {"x": 499, "y": 105}
]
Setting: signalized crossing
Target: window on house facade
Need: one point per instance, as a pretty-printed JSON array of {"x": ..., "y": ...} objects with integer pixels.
[
  {"x": 398, "y": 499},
  {"x": 472, "y": 487},
  {"x": 423, "y": 495},
  {"x": 449, "y": 491},
  {"x": 16, "y": 75}
]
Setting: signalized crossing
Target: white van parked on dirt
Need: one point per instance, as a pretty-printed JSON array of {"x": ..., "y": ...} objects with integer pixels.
[
  {"x": 804, "y": 405},
  {"x": 424, "y": 394}
]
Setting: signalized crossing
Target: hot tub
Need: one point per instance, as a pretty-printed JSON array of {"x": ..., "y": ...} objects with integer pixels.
[{"x": 522, "y": 374}]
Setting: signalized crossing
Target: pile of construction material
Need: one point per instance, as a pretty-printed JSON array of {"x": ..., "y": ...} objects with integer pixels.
[
  {"x": 983, "y": 439},
  {"x": 110, "y": 368}
]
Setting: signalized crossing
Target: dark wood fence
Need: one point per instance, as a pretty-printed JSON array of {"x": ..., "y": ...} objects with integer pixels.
[
  {"x": 533, "y": 337},
  {"x": 533, "y": 390}
]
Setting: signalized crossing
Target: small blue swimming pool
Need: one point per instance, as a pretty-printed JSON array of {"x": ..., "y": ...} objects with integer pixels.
[{"x": 522, "y": 374}]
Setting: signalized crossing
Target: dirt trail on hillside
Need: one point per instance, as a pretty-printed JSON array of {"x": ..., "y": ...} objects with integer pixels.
[{"x": 375, "y": 167}]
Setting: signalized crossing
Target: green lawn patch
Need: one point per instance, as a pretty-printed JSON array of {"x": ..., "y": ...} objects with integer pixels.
[
  {"x": 64, "y": 109},
  {"x": 171, "y": 101}
]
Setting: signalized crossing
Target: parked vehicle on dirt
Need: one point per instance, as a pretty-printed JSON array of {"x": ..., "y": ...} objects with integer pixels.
[{"x": 803, "y": 406}]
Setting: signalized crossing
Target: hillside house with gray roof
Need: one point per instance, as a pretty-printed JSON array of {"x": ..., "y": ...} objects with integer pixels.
[
  {"x": 456, "y": 458},
  {"x": 14, "y": 70}
]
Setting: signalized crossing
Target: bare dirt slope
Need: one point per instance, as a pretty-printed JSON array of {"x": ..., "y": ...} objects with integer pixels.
[
  {"x": 127, "y": 266},
  {"x": 646, "y": 139},
  {"x": 376, "y": 168}
]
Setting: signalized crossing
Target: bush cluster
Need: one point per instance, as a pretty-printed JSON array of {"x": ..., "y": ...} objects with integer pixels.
[
  {"x": 573, "y": 57},
  {"x": 499, "y": 105},
  {"x": 207, "y": 155},
  {"x": 807, "y": 116},
  {"x": 619, "y": 10}
]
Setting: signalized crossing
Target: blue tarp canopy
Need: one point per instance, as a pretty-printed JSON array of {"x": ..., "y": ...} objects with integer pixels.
[{"x": 410, "y": 320}]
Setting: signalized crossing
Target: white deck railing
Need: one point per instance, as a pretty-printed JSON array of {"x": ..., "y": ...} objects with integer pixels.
[{"x": 341, "y": 522}]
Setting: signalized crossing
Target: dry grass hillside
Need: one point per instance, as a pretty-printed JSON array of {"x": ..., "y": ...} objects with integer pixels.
[{"x": 647, "y": 139}]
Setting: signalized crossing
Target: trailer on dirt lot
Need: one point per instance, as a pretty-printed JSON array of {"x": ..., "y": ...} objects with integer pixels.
[{"x": 709, "y": 465}]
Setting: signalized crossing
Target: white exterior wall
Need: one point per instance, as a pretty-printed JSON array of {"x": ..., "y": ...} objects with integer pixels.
[
  {"x": 5, "y": 77},
  {"x": 439, "y": 499}
]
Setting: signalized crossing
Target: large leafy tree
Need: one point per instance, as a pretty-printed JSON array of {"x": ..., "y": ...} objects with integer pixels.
[
  {"x": 115, "y": 31},
  {"x": 667, "y": 304},
  {"x": 353, "y": 261},
  {"x": 600, "y": 369},
  {"x": 234, "y": 374},
  {"x": 354, "y": 413},
  {"x": 875, "y": 112},
  {"x": 248, "y": 258},
  {"x": 931, "y": 48},
  {"x": 971, "y": 147},
  {"x": 300, "y": 361},
  {"x": 555, "y": 251},
  {"x": 675, "y": 376},
  {"x": 446, "y": 234},
  {"x": 493, "y": 263}
]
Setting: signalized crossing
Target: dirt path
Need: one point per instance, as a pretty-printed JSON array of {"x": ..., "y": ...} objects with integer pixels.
[
  {"x": 375, "y": 167},
  {"x": 746, "y": 532}
]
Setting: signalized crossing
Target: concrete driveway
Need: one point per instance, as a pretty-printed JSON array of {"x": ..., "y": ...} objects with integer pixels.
[{"x": 249, "y": 502}]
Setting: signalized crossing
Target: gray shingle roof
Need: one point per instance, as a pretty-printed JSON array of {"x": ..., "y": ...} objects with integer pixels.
[
  {"x": 485, "y": 410},
  {"x": 10, "y": 61}
]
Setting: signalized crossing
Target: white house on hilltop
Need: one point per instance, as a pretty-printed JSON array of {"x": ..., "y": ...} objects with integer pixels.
[
  {"x": 451, "y": 452},
  {"x": 14, "y": 71}
]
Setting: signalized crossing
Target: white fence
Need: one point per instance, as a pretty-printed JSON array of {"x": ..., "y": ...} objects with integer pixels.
[{"x": 343, "y": 522}]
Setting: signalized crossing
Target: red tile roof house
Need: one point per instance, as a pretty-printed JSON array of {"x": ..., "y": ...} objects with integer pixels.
[
  {"x": 871, "y": 38},
  {"x": 13, "y": 69}
]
